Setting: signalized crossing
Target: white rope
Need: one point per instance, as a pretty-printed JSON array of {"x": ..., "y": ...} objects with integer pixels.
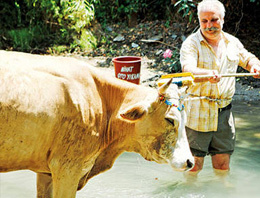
[{"x": 194, "y": 97}]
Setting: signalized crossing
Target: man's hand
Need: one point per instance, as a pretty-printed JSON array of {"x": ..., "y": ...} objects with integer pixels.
[
  {"x": 216, "y": 77},
  {"x": 255, "y": 69}
]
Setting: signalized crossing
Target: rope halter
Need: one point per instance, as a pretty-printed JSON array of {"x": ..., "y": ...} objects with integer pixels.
[{"x": 162, "y": 98}]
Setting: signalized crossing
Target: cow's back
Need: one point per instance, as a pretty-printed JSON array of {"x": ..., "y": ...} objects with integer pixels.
[{"x": 43, "y": 101}]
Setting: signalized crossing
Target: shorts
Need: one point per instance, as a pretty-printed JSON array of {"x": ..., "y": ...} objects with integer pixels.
[{"x": 214, "y": 142}]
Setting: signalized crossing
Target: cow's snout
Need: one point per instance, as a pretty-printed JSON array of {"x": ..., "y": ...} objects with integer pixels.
[
  {"x": 182, "y": 161},
  {"x": 182, "y": 164}
]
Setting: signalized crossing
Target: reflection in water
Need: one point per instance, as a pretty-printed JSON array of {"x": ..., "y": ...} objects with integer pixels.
[{"x": 132, "y": 176}]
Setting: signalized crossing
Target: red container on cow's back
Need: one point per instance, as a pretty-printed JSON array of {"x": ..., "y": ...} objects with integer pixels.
[{"x": 128, "y": 68}]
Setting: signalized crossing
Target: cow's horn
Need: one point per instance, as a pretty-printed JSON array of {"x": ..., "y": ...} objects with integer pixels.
[{"x": 164, "y": 87}]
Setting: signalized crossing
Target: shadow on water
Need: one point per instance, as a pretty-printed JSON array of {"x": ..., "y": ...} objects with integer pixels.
[{"x": 133, "y": 177}]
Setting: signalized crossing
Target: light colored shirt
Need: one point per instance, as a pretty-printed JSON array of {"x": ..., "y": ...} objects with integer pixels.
[{"x": 204, "y": 99}]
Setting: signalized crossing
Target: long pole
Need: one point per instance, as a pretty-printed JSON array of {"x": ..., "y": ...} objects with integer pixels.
[
  {"x": 226, "y": 75},
  {"x": 203, "y": 78}
]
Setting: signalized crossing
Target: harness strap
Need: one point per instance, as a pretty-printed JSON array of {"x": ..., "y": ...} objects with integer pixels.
[{"x": 163, "y": 98}]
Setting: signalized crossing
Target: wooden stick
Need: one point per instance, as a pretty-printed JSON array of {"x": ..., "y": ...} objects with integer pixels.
[
  {"x": 203, "y": 78},
  {"x": 226, "y": 75},
  {"x": 188, "y": 74}
]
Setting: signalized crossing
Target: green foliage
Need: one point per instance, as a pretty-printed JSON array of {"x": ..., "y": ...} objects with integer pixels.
[
  {"x": 24, "y": 38},
  {"x": 120, "y": 10},
  {"x": 29, "y": 24},
  {"x": 255, "y": 1},
  {"x": 47, "y": 24},
  {"x": 87, "y": 40},
  {"x": 187, "y": 7}
]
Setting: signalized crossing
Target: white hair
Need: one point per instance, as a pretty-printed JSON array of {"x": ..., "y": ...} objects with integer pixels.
[{"x": 211, "y": 5}]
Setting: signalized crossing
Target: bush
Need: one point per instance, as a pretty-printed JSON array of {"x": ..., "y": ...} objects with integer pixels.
[
  {"x": 121, "y": 10},
  {"x": 29, "y": 24}
]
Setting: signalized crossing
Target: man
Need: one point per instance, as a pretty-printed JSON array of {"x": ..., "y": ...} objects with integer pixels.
[{"x": 211, "y": 51}]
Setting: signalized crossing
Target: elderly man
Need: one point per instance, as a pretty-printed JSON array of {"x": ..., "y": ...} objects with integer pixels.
[{"x": 211, "y": 51}]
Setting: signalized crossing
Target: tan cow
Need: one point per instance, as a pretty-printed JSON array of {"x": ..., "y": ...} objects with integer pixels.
[{"x": 68, "y": 122}]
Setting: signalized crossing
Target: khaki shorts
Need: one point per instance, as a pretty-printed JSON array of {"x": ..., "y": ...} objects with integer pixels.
[{"x": 214, "y": 142}]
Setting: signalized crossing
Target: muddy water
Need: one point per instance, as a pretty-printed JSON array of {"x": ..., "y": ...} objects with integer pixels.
[{"x": 132, "y": 176}]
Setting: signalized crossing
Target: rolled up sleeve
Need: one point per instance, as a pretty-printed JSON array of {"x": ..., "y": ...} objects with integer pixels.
[{"x": 188, "y": 53}]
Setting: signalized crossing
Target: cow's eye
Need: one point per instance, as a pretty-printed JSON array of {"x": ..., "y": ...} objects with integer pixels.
[{"x": 170, "y": 120}]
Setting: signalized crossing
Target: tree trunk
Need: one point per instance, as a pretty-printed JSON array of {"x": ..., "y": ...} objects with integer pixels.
[{"x": 132, "y": 20}]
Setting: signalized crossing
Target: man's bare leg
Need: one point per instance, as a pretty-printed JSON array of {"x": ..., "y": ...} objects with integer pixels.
[
  {"x": 220, "y": 163},
  {"x": 191, "y": 175}
]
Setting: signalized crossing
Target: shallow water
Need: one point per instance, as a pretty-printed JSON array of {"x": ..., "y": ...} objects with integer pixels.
[{"x": 132, "y": 176}]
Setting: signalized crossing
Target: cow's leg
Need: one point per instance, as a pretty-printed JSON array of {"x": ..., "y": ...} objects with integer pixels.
[
  {"x": 65, "y": 181},
  {"x": 44, "y": 185}
]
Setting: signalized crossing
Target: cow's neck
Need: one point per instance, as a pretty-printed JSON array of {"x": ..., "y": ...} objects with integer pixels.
[{"x": 113, "y": 95}]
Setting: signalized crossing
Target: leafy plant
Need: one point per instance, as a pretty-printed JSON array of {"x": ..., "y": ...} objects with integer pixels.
[
  {"x": 26, "y": 38},
  {"x": 39, "y": 23},
  {"x": 186, "y": 7},
  {"x": 255, "y": 1},
  {"x": 107, "y": 11}
]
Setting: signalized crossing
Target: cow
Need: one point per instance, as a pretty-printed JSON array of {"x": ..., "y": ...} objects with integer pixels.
[{"x": 68, "y": 121}]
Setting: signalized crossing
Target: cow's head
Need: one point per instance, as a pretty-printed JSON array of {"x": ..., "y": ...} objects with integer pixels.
[{"x": 160, "y": 133}]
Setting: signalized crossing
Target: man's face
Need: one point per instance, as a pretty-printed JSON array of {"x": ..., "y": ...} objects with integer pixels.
[{"x": 211, "y": 24}]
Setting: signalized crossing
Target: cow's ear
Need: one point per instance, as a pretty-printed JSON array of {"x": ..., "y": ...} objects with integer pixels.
[{"x": 134, "y": 113}]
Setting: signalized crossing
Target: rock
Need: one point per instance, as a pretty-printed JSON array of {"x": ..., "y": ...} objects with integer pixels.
[
  {"x": 174, "y": 36},
  {"x": 104, "y": 63},
  {"x": 156, "y": 38},
  {"x": 134, "y": 45},
  {"x": 183, "y": 38},
  {"x": 159, "y": 52},
  {"x": 108, "y": 28},
  {"x": 153, "y": 39},
  {"x": 119, "y": 38}
]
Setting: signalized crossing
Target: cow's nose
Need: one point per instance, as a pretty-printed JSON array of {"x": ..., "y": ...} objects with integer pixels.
[{"x": 189, "y": 164}]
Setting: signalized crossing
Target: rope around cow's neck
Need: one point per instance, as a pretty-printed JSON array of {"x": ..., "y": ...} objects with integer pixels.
[
  {"x": 194, "y": 97},
  {"x": 169, "y": 103},
  {"x": 184, "y": 98}
]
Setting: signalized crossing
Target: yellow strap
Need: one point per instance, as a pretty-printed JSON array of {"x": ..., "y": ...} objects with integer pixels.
[{"x": 176, "y": 75}]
